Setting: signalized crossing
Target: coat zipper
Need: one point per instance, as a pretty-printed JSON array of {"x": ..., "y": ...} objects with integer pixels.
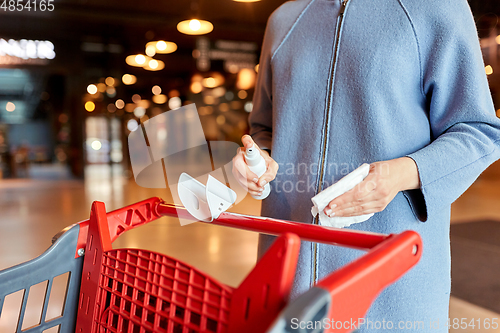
[{"x": 327, "y": 121}]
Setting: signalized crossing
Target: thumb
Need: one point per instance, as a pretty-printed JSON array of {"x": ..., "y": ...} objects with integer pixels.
[{"x": 247, "y": 141}]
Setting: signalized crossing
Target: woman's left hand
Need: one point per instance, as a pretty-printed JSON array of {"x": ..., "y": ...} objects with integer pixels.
[{"x": 376, "y": 191}]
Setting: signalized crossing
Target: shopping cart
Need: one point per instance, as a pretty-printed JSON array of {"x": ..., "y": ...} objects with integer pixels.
[{"x": 141, "y": 291}]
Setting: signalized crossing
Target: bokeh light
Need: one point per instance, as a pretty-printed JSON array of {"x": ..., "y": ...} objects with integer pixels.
[
  {"x": 128, "y": 79},
  {"x": 174, "y": 103},
  {"x": 160, "y": 99},
  {"x": 110, "y": 81},
  {"x": 195, "y": 27},
  {"x": 196, "y": 87},
  {"x": 139, "y": 112},
  {"x": 92, "y": 89},
  {"x": 136, "y": 98},
  {"x": 10, "y": 107},
  {"x": 156, "y": 90},
  {"x": 132, "y": 125},
  {"x": 90, "y": 106},
  {"x": 96, "y": 145},
  {"x": 120, "y": 104},
  {"x": 242, "y": 94},
  {"x": 150, "y": 50},
  {"x": 101, "y": 87},
  {"x": 489, "y": 70}
]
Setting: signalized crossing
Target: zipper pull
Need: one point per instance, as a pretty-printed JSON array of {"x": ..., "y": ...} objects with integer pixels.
[{"x": 342, "y": 7}]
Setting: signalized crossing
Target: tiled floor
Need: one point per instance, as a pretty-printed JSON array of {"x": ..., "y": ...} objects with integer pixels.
[
  {"x": 479, "y": 202},
  {"x": 32, "y": 211}
]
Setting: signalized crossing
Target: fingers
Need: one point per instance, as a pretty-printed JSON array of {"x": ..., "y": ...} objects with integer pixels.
[
  {"x": 270, "y": 174},
  {"x": 245, "y": 177},
  {"x": 241, "y": 166},
  {"x": 367, "y": 197},
  {"x": 358, "y": 193},
  {"x": 247, "y": 141},
  {"x": 248, "y": 179},
  {"x": 249, "y": 186},
  {"x": 370, "y": 204}
]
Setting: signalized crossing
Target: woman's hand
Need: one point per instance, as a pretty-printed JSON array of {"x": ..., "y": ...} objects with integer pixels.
[
  {"x": 377, "y": 190},
  {"x": 247, "y": 178}
]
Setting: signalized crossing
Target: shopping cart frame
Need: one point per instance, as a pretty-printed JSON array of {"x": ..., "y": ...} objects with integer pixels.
[{"x": 353, "y": 287}]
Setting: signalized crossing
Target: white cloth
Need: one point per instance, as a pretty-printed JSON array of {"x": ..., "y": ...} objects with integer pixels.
[{"x": 323, "y": 198}]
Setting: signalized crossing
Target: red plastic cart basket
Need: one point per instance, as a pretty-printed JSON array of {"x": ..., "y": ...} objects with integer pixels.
[{"x": 131, "y": 290}]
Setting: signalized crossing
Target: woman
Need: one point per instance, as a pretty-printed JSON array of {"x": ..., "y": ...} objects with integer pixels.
[{"x": 399, "y": 84}]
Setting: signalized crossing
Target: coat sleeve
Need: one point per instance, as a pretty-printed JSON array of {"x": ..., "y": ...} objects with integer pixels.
[
  {"x": 261, "y": 117},
  {"x": 465, "y": 131}
]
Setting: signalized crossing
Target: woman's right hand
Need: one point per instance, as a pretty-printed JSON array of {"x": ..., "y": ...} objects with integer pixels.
[{"x": 247, "y": 178}]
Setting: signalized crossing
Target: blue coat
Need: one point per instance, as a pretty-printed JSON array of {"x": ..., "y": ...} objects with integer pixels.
[{"x": 392, "y": 78}]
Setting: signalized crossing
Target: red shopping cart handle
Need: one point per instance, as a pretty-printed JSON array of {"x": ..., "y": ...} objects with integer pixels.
[
  {"x": 315, "y": 233},
  {"x": 148, "y": 210}
]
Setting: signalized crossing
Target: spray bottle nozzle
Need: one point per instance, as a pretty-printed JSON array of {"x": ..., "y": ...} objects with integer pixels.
[{"x": 252, "y": 152}]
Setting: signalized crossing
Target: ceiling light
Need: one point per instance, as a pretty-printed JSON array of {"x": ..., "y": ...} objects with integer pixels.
[
  {"x": 154, "y": 65},
  {"x": 195, "y": 27},
  {"x": 140, "y": 59},
  {"x": 162, "y": 47},
  {"x": 137, "y": 60},
  {"x": 150, "y": 50},
  {"x": 246, "y": 0}
]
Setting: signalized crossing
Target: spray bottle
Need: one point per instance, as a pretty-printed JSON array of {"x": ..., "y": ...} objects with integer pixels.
[{"x": 257, "y": 165}]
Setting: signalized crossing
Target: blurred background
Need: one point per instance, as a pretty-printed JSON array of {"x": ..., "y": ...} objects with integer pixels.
[
  {"x": 76, "y": 76},
  {"x": 75, "y": 80}
]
